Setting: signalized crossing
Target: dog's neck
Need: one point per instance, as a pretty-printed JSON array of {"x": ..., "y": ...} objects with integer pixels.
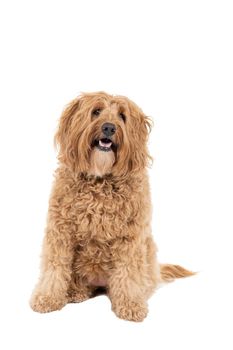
[{"x": 101, "y": 162}]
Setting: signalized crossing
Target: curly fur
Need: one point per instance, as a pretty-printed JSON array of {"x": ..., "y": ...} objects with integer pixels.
[{"x": 98, "y": 230}]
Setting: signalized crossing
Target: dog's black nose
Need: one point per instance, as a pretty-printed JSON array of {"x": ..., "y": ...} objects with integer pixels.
[{"x": 108, "y": 129}]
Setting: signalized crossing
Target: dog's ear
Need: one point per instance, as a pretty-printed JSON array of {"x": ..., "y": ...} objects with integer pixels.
[
  {"x": 139, "y": 155},
  {"x": 60, "y": 138},
  {"x": 63, "y": 140}
]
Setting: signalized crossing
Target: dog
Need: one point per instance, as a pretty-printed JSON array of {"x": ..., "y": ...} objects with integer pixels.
[{"x": 98, "y": 232}]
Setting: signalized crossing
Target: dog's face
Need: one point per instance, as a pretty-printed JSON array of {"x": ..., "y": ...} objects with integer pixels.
[{"x": 102, "y": 134}]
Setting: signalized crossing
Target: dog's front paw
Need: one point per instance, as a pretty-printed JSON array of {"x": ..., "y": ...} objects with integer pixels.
[
  {"x": 131, "y": 311},
  {"x": 46, "y": 303}
]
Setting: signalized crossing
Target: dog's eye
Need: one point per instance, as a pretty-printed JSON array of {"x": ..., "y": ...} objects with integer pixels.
[
  {"x": 96, "y": 111},
  {"x": 122, "y": 116}
]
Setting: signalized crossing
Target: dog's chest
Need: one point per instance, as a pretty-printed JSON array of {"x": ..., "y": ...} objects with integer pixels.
[{"x": 103, "y": 210}]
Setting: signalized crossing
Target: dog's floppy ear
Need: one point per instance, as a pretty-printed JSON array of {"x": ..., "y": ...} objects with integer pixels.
[
  {"x": 63, "y": 140},
  {"x": 139, "y": 155},
  {"x": 60, "y": 138}
]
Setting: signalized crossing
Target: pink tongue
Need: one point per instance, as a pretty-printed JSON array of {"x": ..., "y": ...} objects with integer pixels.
[{"x": 107, "y": 145}]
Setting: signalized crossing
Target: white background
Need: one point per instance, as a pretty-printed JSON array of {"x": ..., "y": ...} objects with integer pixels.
[{"x": 174, "y": 59}]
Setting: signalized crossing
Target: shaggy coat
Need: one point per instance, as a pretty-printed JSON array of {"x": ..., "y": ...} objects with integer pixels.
[{"x": 98, "y": 230}]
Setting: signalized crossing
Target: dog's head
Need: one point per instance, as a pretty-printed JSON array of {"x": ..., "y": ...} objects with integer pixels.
[{"x": 102, "y": 134}]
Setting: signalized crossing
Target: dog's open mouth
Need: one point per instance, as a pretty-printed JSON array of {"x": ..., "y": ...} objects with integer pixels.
[{"x": 104, "y": 144}]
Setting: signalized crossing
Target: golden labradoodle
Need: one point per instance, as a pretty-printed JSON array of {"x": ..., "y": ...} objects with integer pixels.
[{"x": 98, "y": 228}]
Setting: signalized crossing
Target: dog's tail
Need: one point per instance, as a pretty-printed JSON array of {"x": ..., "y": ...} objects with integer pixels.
[{"x": 169, "y": 272}]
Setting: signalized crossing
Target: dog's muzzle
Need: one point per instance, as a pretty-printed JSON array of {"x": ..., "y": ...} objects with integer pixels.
[{"x": 105, "y": 141}]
